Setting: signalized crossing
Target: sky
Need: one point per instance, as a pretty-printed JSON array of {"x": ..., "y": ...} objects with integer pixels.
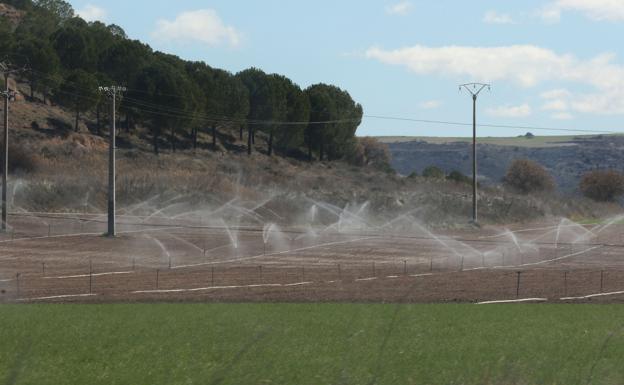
[{"x": 551, "y": 63}]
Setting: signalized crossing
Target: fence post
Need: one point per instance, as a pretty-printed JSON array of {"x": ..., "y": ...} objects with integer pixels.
[{"x": 518, "y": 284}]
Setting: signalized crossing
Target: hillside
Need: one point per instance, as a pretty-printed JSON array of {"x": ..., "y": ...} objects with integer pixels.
[
  {"x": 566, "y": 157},
  {"x": 57, "y": 169}
]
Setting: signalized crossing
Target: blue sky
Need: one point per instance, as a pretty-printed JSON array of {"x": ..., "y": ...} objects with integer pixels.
[{"x": 551, "y": 63}]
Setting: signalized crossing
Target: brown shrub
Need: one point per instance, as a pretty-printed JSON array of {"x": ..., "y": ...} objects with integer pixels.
[
  {"x": 371, "y": 152},
  {"x": 22, "y": 158},
  {"x": 602, "y": 185},
  {"x": 526, "y": 176}
]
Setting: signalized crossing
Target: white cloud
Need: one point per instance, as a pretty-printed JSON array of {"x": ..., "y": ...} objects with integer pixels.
[
  {"x": 401, "y": 9},
  {"x": 559, "y": 93},
  {"x": 524, "y": 65},
  {"x": 555, "y": 105},
  {"x": 520, "y": 111},
  {"x": 562, "y": 116},
  {"x": 599, "y": 10},
  {"x": 203, "y": 25},
  {"x": 92, "y": 12},
  {"x": 430, "y": 104},
  {"x": 493, "y": 17}
]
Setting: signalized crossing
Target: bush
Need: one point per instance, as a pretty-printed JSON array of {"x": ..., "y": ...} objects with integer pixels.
[
  {"x": 371, "y": 152},
  {"x": 433, "y": 172},
  {"x": 21, "y": 158},
  {"x": 458, "y": 177},
  {"x": 526, "y": 176},
  {"x": 602, "y": 185}
]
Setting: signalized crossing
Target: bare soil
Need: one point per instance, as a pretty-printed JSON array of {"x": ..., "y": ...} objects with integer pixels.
[{"x": 65, "y": 258}]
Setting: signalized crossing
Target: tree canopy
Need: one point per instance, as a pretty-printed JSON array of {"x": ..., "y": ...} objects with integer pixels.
[{"x": 68, "y": 58}]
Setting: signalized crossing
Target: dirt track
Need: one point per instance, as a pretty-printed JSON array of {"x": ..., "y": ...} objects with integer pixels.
[{"x": 65, "y": 259}]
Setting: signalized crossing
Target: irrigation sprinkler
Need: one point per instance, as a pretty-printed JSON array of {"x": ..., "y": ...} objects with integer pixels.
[
  {"x": 43, "y": 268},
  {"x": 133, "y": 263},
  {"x": 518, "y": 284},
  {"x": 260, "y": 271},
  {"x": 211, "y": 275},
  {"x": 90, "y": 282},
  {"x": 461, "y": 266},
  {"x": 431, "y": 263},
  {"x": 404, "y": 267},
  {"x": 374, "y": 273},
  {"x": 17, "y": 283},
  {"x": 170, "y": 262},
  {"x": 302, "y": 274},
  {"x": 339, "y": 273},
  {"x": 601, "y": 280},
  {"x": 49, "y": 229},
  {"x": 157, "y": 277},
  {"x": 565, "y": 283}
]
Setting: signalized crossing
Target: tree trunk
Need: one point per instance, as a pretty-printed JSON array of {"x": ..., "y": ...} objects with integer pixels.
[
  {"x": 253, "y": 136},
  {"x": 270, "y": 143},
  {"x": 32, "y": 90},
  {"x": 309, "y": 151},
  {"x": 214, "y": 136},
  {"x": 240, "y": 133},
  {"x": 194, "y": 135},
  {"x": 97, "y": 119},
  {"x": 322, "y": 151},
  {"x": 127, "y": 124},
  {"x": 249, "y": 136},
  {"x": 77, "y": 118},
  {"x": 172, "y": 138}
]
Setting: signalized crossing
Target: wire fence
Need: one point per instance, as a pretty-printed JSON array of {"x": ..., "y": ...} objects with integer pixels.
[{"x": 377, "y": 281}]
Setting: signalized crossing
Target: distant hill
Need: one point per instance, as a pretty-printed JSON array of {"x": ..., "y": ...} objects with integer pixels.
[{"x": 566, "y": 157}]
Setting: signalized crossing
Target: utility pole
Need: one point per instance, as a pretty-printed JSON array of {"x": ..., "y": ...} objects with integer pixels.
[
  {"x": 8, "y": 95},
  {"x": 474, "y": 89},
  {"x": 112, "y": 92}
]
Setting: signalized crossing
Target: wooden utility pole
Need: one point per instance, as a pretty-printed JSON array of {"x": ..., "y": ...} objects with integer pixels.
[
  {"x": 112, "y": 92},
  {"x": 474, "y": 89}
]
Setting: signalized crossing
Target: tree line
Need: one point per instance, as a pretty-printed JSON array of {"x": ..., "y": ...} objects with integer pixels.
[{"x": 67, "y": 59}]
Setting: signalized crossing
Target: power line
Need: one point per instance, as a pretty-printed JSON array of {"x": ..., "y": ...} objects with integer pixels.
[
  {"x": 445, "y": 122},
  {"x": 156, "y": 109}
]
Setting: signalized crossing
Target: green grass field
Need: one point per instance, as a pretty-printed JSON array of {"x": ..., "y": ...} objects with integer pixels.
[{"x": 311, "y": 344}]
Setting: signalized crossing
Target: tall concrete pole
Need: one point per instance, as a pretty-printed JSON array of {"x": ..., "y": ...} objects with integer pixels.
[
  {"x": 474, "y": 89},
  {"x": 111, "y": 171},
  {"x": 5, "y": 155},
  {"x": 474, "y": 158}
]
